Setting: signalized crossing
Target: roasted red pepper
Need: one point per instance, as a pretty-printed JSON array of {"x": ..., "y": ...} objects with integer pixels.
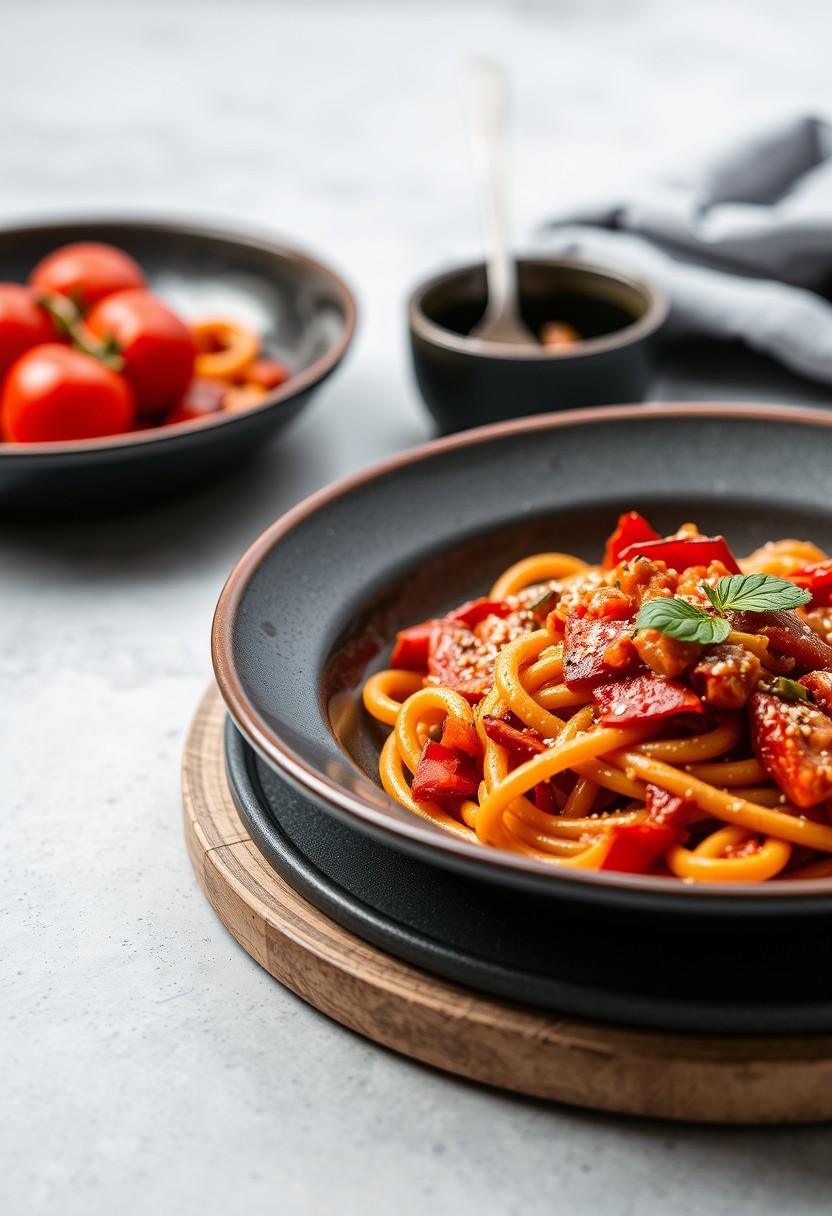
[
  {"x": 456, "y": 660},
  {"x": 680, "y": 552},
  {"x": 589, "y": 645},
  {"x": 544, "y": 798},
  {"x": 789, "y": 635},
  {"x": 475, "y": 611},
  {"x": 793, "y": 742},
  {"x": 461, "y": 736},
  {"x": 442, "y": 775},
  {"x": 817, "y": 579},
  {"x": 819, "y": 684},
  {"x": 631, "y": 529},
  {"x": 645, "y": 698},
  {"x": 666, "y": 808},
  {"x": 635, "y": 848},
  {"x": 413, "y": 647},
  {"x": 520, "y": 744}
]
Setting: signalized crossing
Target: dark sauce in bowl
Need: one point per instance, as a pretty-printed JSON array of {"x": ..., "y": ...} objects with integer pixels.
[
  {"x": 592, "y": 318},
  {"x": 591, "y": 302}
]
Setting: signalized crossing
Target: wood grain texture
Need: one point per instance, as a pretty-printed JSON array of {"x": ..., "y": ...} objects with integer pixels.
[{"x": 672, "y": 1076}]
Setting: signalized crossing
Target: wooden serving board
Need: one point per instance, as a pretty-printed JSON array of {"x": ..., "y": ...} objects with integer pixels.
[{"x": 705, "y": 1078}]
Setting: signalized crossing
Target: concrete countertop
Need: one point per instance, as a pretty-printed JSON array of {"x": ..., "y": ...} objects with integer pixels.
[{"x": 147, "y": 1064}]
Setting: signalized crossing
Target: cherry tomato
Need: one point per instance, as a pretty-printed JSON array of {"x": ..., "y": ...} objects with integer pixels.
[
  {"x": 157, "y": 348},
  {"x": 23, "y": 323},
  {"x": 53, "y": 392},
  {"x": 87, "y": 272}
]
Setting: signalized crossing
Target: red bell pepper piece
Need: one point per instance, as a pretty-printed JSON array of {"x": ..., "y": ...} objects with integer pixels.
[
  {"x": 645, "y": 698},
  {"x": 817, "y": 579},
  {"x": 586, "y": 643},
  {"x": 636, "y": 847},
  {"x": 520, "y": 744},
  {"x": 819, "y": 684},
  {"x": 544, "y": 798},
  {"x": 789, "y": 635},
  {"x": 413, "y": 647},
  {"x": 461, "y": 736},
  {"x": 680, "y": 552},
  {"x": 475, "y": 611},
  {"x": 416, "y": 646},
  {"x": 631, "y": 529},
  {"x": 457, "y": 660},
  {"x": 666, "y": 808},
  {"x": 442, "y": 775},
  {"x": 793, "y": 742}
]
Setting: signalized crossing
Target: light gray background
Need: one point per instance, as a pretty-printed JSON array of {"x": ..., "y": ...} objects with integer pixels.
[{"x": 147, "y": 1064}]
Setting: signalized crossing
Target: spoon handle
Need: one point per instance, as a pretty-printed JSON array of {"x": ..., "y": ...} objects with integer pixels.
[{"x": 486, "y": 94}]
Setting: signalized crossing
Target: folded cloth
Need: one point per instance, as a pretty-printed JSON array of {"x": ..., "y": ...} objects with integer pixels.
[{"x": 741, "y": 248}]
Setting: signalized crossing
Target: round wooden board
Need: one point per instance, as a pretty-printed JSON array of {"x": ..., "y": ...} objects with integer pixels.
[{"x": 704, "y": 1078}]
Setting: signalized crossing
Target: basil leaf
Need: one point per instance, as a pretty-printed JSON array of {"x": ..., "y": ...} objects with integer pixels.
[
  {"x": 713, "y": 597},
  {"x": 756, "y": 593},
  {"x": 789, "y": 690},
  {"x": 678, "y": 619}
]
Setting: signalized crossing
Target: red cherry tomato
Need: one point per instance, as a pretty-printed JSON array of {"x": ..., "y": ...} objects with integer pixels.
[
  {"x": 87, "y": 272},
  {"x": 53, "y": 392},
  {"x": 157, "y": 348},
  {"x": 23, "y": 323}
]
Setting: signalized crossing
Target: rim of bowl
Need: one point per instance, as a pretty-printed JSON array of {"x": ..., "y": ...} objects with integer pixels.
[
  {"x": 252, "y": 239},
  {"x": 272, "y": 748},
  {"x": 654, "y": 316}
]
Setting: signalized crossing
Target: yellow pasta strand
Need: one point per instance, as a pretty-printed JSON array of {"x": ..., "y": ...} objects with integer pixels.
[
  {"x": 727, "y": 806},
  {"x": 384, "y": 693},
  {"x": 539, "y": 568}
]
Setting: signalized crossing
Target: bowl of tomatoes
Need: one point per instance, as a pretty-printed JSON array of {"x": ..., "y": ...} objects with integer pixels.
[{"x": 137, "y": 353}]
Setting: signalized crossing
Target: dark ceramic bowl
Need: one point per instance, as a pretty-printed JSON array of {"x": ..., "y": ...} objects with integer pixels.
[
  {"x": 315, "y": 603},
  {"x": 303, "y": 311},
  {"x": 466, "y": 382}
]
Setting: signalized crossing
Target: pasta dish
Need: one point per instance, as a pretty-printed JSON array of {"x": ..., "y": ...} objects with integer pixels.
[{"x": 668, "y": 711}]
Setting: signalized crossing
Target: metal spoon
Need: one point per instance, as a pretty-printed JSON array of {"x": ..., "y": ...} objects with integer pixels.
[{"x": 485, "y": 90}]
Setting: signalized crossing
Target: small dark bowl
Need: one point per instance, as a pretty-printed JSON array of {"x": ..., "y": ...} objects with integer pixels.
[
  {"x": 466, "y": 381},
  {"x": 304, "y": 313}
]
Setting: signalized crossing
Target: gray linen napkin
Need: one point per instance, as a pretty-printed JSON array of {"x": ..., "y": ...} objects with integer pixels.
[{"x": 740, "y": 248}]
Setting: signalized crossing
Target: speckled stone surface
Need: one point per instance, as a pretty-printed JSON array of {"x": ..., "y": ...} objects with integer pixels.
[{"x": 147, "y": 1065}]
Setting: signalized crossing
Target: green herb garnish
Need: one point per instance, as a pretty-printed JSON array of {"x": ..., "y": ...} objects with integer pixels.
[
  {"x": 544, "y": 598},
  {"x": 788, "y": 689},
  {"x": 676, "y": 618},
  {"x": 755, "y": 593}
]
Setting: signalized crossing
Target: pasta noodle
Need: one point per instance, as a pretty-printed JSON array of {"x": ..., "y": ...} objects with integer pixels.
[{"x": 548, "y": 720}]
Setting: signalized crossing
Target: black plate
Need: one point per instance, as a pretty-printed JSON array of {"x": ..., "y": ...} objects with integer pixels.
[
  {"x": 316, "y": 601},
  {"x": 551, "y": 953},
  {"x": 303, "y": 311}
]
